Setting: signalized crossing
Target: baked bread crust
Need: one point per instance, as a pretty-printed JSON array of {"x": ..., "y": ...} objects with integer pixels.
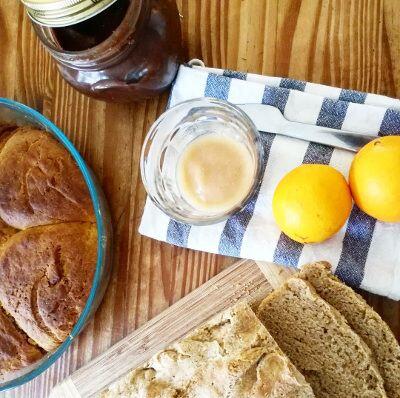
[
  {"x": 363, "y": 320},
  {"x": 40, "y": 183},
  {"x": 5, "y": 233},
  {"x": 229, "y": 356},
  {"x": 46, "y": 274},
  {"x": 16, "y": 351},
  {"x": 6, "y": 131},
  {"x": 320, "y": 343},
  {"x": 46, "y": 271}
]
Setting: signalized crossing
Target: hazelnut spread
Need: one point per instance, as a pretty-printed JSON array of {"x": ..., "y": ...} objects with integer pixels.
[
  {"x": 90, "y": 33},
  {"x": 128, "y": 52}
]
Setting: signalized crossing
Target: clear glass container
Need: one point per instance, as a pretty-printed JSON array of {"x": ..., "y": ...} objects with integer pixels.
[
  {"x": 128, "y": 52},
  {"x": 19, "y": 114},
  {"x": 170, "y": 135}
]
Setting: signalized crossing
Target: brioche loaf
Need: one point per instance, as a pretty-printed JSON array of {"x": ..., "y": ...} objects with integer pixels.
[
  {"x": 45, "y": 271},
  {"x": 233, "y": 355},
  {"x": 45, "y": 277},
  {"x": 320, "y": 343},
  {"x": 40, "y": 182},
  {"x": 16, "y": 351},
  {"x": 363, "y": 319}
]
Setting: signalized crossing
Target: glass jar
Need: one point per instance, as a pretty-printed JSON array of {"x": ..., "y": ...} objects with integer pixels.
[
  {"x": 128, "y": 52},
  {"x": 171, "y": 134}
]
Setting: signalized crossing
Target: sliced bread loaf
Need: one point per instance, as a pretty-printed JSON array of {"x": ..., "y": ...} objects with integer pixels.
[
  {"x": 233, "y": 355},
  {"x": 320, "y": 343},
  {"x": 363, "y": 319}
]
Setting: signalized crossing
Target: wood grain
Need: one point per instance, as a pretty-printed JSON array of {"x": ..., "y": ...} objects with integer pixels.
[
  {"x": 243, "y": 281},
  {"x": 275, "y": 274},
  {"x": 349, "y": 43}
]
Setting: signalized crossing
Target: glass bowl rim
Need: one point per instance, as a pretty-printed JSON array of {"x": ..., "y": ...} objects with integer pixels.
[
  {"x": 226, "y": 105},
  {"x": 53, "y": 356}
]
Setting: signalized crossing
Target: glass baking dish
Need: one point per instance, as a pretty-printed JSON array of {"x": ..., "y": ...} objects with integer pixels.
[{"x": 14, "y": 112}]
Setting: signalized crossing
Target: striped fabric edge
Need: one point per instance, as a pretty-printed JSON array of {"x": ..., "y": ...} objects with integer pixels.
[
  {"x": 323, "y": 90},
  {"x": 339, "y": 100}
]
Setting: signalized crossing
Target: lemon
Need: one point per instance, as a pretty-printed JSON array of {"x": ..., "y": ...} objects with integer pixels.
[
  {"x": 375, "y": 179},
  {"x": 311, "y": 203}
]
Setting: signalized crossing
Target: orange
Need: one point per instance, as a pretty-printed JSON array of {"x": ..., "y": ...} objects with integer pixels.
[
  {"x": 311, "y": 203},
  {"x": 375, "y": 179}
]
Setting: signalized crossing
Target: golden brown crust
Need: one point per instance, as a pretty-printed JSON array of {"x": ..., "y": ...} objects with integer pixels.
[
  {"x": 46, "y": 271},
  {"x": 46, "y": 274},
  {"x": 6, "y": 131},
  {"x": 40, "y": 183},
  {"x": 5, "y": 233},
  {"x": 16, "y": 351}
]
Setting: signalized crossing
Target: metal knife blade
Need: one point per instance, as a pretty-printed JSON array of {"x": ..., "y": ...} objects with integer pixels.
[{"x": 270, "y": 119}]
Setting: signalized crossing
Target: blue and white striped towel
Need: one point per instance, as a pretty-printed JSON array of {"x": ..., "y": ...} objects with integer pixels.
[{"x": 365, "y": 253}]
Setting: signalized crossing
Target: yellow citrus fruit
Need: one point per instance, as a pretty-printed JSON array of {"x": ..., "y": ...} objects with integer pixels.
[
  {"x": 375, "y": 178},
  {"x": 311, "y": 203}
]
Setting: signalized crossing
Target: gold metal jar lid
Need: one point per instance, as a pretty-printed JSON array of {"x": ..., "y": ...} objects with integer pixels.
[{"x": 56, "y": 13}]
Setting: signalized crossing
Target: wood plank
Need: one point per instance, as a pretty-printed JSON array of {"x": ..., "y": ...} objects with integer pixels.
[
  {"x": 242, "y": 281},
  {"x": 275, "y": 274}
]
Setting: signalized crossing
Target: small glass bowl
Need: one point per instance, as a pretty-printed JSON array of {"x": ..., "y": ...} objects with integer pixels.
[
  {"x": 170, "y": 135},
  {"x": 14, "y": 112}
]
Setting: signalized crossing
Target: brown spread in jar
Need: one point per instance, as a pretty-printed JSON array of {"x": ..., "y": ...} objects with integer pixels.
[
  {"x": 93, "y": 31},
  {"x": 128, "y": 52}
]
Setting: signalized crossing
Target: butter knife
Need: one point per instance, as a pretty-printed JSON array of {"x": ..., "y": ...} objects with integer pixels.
[{"x": 268, "y": 118}]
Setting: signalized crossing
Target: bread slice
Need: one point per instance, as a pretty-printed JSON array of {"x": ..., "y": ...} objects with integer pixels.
[
  {"x": 233, "y": 355},
  {"x": 45, "y": 278},
  {"x": 363, "y": 319},
  {"x": 320, "y": 343},
  {"x": 16, "y": 351}
]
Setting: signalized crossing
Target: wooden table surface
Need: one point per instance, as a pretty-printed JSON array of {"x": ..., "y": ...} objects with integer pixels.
[{"x": 348, "y": 43}]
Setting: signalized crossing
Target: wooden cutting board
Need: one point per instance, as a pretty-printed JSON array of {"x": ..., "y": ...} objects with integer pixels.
[{"x": 245, "y": 280}]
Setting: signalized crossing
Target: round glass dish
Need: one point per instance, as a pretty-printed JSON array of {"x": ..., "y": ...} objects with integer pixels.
[
  {"x": 11, "y": 111},
  {"x": 171, "y": 134}
]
